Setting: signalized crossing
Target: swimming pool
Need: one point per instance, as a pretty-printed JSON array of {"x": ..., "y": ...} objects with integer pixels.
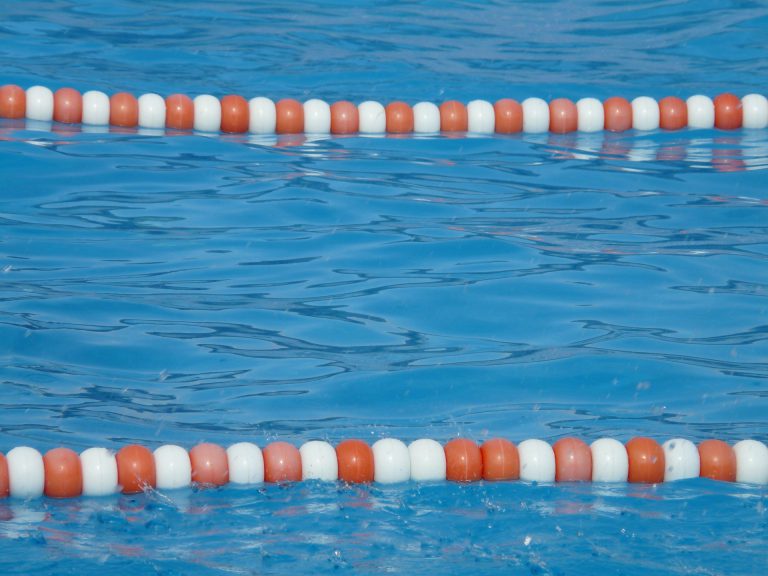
[{"x": 178, "y": 289}]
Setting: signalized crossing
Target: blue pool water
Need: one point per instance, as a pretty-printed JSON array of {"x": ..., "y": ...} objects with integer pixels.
[{"x": 177, "y": 289}]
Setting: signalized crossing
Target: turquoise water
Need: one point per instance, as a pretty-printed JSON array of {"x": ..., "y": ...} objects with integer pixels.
[{"x": 177, "y": 289}]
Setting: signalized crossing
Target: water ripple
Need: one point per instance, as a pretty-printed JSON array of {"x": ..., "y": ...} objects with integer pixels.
[
  {"x": 164, "y": 287},
  {"x": 261, "y": 275}
]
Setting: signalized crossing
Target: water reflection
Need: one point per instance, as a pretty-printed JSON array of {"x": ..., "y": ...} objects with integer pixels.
[
  {"x": 182, "y": 287},
  {"x": 714, "y": 150},
  {"x": 721, "y": 151}
]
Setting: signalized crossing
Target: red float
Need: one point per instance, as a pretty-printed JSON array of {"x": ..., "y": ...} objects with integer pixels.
[
  {"x": 501, "y": 461},
  {"x": 13, "y": 101},
  {"x": 282, "y": 462},
  {"x": 5, "y": 487},
  {"x": 563, "y": 116},
  {"x": 123, "y": 110},
  {"x": 618, "y": 114},
  {"x": 399, "y": 118},
  {"x": 179, "y": 112},
  {"x": 67, "y": 106},
  {"x": 135, "y": 469},
  {"x": 235, "y": 114},
  {"x": 345, "y": 118},
  {"x": 463, "y": 460},
  {"x": 63, "y": 473},
  {"x": 673, "y": 113},
  {"x": 718, "y": 461},
  {"x": 573, "y": 460},
  {"x": 355, "y": 459},
  {"x": 509, "y": 116},
  {"x": 646, "y": 461},
  {"x": 453, "y": 116},
  {"x": 728, "y": 112},
  {"x": 210, "y": 465},
  {"x": 290, "y": 116}
]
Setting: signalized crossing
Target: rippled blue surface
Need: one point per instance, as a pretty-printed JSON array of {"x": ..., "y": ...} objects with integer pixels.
[{"x": 175, "y": 289}]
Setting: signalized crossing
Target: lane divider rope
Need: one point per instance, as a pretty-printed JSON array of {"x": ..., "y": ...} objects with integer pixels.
[
  {"x": 236, "y": 115},
  {"x": 62, "y": 473}
]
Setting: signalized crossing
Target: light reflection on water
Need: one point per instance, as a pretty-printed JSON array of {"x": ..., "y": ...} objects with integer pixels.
[
  {"x": 212, "y": 288},
  {"x": 368, "y": 528},
  {"x": 175, "y": 287}
]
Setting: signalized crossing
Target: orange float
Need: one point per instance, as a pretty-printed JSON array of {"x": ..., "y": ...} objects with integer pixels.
[
  {"x": 673, "y": 113},
  {"x": 399, "y": 118},
  {"x": 728, "y": 112},
  {"x": 718, "y": 461},
  {"x": 67, "y": 106},
  {"x": 501, "y": 461},
  {"x": 210, "y": 465},
  {"x": 646, "y": 461},
  {"x": 63, "y": 473},
  {"x": 123, "y": 110},
  {"x": 573, "y": 460},
  {"x": 356, "y": 462},
  {"x": 179, "y": 112},
  {"x": 463, "y": 460},
  {"x": 618, "y": 114},
  {"x": 453, "y": 116},
  {"x": 13, "y": 101},
  {"x": 509, "y": 116},
  {"x": 563, "y": 116},
  {"x": 282, "y": 462},
  {"x": 345, "y": 118},
  {"x": 135, "y": 469},
  {"x": 5, "y": 487},
  {"x": 235, "y": 114},
  {"x": 289, "y": 116}
]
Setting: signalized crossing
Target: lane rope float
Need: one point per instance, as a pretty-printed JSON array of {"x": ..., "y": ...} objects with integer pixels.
[
  {"x": 62, "y": 473},
  {"x": 235, "y": 115}
]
